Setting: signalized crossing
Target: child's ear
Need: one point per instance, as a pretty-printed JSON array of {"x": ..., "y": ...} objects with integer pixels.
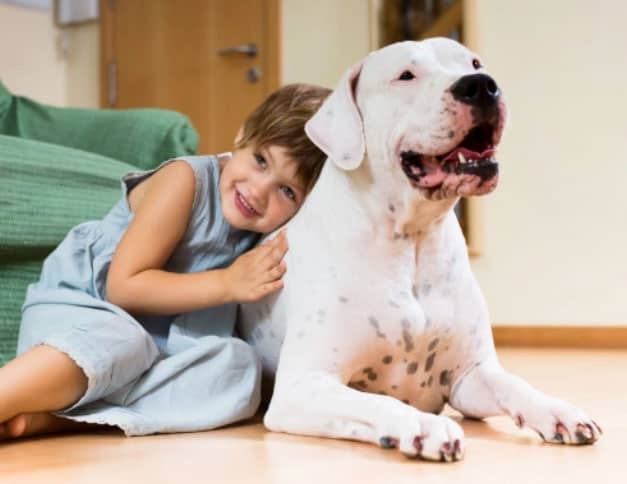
[{"x": 337, "y": 128}]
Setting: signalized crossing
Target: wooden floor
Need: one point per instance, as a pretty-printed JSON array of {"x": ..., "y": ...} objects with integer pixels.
[{"x": 497, "y": 452}]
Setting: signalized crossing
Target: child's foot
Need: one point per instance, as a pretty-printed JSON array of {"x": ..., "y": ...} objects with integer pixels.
[{"x": 27, "y": 424}]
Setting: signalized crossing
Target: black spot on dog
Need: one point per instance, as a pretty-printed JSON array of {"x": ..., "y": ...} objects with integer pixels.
[
  {"x": 429, "y": 362},
  {"x": 412, "y": 367},
  {"x": 409, "y": 342},
  {"x": 370, "y": 374},
  {"x": 359, "y": 384},
  {"x": 387, "y": 359},
  {"x": 445, "y": 378},
  {"x": 433, "y": 344},
  {"x": 375, "y": 324}
]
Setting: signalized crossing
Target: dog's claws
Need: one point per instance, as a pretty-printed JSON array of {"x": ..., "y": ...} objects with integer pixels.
[
  {"x": 584, "y": 434},
  {"x": 597, "y": 427},
  {"x": 418, "y": 444},
  {"x": 562, "y": 431},
  {"x": 450, "y": 452},
  {"x": 457, "y": 450},
  {"x": 388, "y": 442}
]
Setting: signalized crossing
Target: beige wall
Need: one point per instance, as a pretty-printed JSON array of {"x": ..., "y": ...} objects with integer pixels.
[
  {"x": 555, "y": 231},
  {"x": 323, "y": 38},
  {"x": 58, "y": 67}
]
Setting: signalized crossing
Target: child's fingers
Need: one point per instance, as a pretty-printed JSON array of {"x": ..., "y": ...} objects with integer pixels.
[
  {"x": 277, "y": 271},
  {"x": 270, "y": 287},
  {"x": 275, "y": 257},
  {"x": 270, "y": 257},
  {"x": 278, "y": 238},
  {"x": 271, "y": 252}
]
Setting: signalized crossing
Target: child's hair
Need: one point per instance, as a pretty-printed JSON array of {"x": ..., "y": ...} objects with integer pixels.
[{"x": 280, "y": 120}]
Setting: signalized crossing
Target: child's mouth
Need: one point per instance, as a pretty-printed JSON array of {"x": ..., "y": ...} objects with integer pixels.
[{"x": 243, "y": 206}]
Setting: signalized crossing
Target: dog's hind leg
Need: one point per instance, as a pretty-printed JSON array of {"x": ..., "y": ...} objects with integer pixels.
[
  {"x": 319, "y": 404},
  {"x": 488, "y": 390}
]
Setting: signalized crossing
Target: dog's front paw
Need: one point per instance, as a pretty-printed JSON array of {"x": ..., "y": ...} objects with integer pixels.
[
  {"x": 558, "y": 422},
  {"x": 431, "y": 437}
]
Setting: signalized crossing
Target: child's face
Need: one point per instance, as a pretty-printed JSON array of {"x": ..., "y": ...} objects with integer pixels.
[{"x": 259, "y": 189}]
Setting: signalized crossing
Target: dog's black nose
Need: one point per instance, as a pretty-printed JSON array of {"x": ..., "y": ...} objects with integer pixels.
[{"x": 478, "y": 90}]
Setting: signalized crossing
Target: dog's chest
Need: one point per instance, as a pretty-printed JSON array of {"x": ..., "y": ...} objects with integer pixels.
[{"x": 413, "y": 358}]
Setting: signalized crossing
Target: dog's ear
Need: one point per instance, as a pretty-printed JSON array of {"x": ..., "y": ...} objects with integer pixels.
[{"x": 337, "y": 128}]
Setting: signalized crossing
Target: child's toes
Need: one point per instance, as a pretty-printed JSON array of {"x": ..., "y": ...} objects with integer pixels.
[{"x": 16, "y": 426}]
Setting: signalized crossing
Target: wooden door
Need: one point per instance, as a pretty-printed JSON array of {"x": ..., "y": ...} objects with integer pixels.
[{"x": 190, "y": 56}]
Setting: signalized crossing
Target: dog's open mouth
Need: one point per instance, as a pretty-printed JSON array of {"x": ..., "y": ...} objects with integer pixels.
[{"x": 473, "y": 156}]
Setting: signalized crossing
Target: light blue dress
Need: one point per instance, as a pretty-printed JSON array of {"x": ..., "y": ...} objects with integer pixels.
[{"x": 147, "y": 375}]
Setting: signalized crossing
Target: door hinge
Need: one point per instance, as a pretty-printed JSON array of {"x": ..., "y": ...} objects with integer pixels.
[{"x": 113, "y": 88}]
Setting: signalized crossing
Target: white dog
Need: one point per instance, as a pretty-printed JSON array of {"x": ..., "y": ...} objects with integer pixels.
[{"x": 381, "y": 321}]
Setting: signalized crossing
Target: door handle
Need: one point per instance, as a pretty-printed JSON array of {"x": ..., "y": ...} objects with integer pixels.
[{"x": 245, "y": 49}]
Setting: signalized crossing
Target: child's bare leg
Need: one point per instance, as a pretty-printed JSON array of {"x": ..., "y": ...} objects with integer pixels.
[{"x": 39, "y": 381}]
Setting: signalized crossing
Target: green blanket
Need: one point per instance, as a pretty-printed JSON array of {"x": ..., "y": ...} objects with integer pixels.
[{"x": 45, "y": 190}]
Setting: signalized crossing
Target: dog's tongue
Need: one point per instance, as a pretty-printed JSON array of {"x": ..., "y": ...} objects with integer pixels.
[{"x": 431, "y": 174}]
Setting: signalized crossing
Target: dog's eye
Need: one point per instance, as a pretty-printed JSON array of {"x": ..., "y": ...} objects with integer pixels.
[
  {"x": 406, "y": 76},
  {"x": 476, "y": 63}
]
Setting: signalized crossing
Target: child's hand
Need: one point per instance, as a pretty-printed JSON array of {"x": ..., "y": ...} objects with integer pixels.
[{"x": 258, "y": 272}]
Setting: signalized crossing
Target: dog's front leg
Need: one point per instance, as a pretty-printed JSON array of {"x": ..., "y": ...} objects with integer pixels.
[
  {"x": 488, "y": 390},
  {"x": 319, "y": 404}
]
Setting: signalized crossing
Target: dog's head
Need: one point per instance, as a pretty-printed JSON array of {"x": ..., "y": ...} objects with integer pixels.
[{"x": 425, "y": 112}]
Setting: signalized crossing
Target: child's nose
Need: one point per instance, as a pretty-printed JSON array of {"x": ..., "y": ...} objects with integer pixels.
[{"x": 262, "y": 192}]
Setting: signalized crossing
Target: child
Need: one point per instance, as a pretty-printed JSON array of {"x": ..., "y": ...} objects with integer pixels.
[{"x": 132, "y": 319}]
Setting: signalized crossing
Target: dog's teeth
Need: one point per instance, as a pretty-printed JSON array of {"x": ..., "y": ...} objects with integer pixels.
[{"x": 462, "y": 160}]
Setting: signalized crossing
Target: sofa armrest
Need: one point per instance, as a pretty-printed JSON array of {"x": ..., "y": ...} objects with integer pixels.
[{"x": 141, "y": 137}]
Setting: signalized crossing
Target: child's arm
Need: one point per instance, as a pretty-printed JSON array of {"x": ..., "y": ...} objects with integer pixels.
[{"x": 136, "y": 281}]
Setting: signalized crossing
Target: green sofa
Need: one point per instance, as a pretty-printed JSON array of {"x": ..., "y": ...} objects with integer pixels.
[{"x": 60, "y": 167}]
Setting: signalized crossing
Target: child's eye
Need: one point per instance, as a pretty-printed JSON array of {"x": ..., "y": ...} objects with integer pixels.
[
  {"x": 261, "y": 161},
  {"x": 289, "y": 193}
]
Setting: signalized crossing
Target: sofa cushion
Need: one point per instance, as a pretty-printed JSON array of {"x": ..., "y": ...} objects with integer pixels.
[
  {"x": 45, "y": 190},
  {"x": 141, "y": 137}
]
